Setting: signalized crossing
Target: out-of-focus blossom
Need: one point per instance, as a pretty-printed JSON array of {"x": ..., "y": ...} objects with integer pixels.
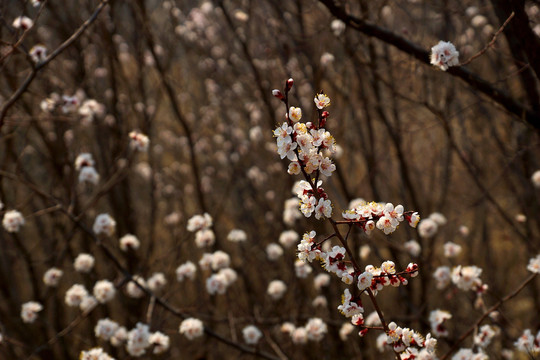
[
  {"x": 22, "y": 22},
  {"x": 251, "y": 334},
  {"x": 104, "y": 224},
  {"x": 29, "y": 311},
  {"x": 52, "y": 277},
  {"x": 12, "y": 221},
  {"x": 191, "y": 328}
]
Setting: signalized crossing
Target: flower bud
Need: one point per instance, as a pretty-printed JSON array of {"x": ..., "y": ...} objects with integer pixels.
[
  {"x": 278, "y": 94},
  {"x": 290, "y": 84}
]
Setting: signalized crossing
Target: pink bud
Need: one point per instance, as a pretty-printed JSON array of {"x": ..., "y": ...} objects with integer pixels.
[
  {"x": 278, "y": 94},
  {"x": 290, "y": 84}
]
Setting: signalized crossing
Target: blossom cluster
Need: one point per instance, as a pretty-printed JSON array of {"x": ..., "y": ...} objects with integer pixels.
[
  {"x": 528, "y": 343},
  {"x": 137, "y": 341},
  {"x": 377, "y": 278},
  {"x": 464, "y": 277},
  {"x": 201, "y": 225},
  {"x": 308, "y": 147},
  {"x": 314, "y": 330},
  {"x": 218, "y": 282},
  {"x": 308, "y": 200},
  {"x": 437, "y": 318},
  {"x": 88, "y": 109},
  {"x": 383, "y": 216},
  {"x": 409, "y": 343},
  {"x": 84, "y": 163}
]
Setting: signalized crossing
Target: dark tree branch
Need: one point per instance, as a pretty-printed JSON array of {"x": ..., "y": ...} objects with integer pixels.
[{"x": 414, "y": 50}]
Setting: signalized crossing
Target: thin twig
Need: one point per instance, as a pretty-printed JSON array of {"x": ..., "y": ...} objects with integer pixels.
[
  {"x": 486, "y": 314},
  {"x": 490, "y": 44}
]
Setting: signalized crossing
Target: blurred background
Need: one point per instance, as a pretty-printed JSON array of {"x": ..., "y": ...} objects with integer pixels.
[{"x": 196, "y": 78}]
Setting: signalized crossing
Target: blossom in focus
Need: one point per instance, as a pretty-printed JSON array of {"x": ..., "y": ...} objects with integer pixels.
[
  {"x": 295, "y": 114},
  {"x": 323, "y": 209},
  {"x": 321, "y": 101},
  {"x": 444, "y": 55},
  {"x": 12, "y": 221},
  {"x": 350, "y": 306},
  {"x": 306, "y": 251},
  {"x": 364, "y": 280}
]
